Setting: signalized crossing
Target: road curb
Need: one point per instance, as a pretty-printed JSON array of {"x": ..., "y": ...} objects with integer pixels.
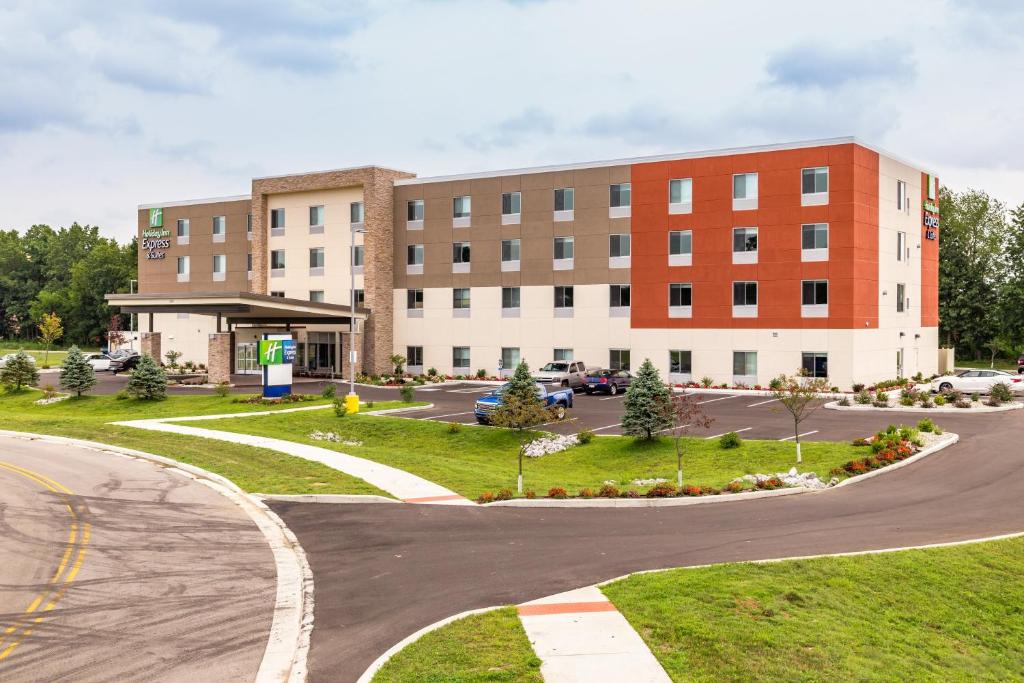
[
  {"x": 324, "y": 498},
  {"x": 287, "y": 650},
  {"x": 938, "y": 410}
]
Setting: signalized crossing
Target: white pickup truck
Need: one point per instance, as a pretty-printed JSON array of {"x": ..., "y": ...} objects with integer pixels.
[{"x": 563, "y": 373}]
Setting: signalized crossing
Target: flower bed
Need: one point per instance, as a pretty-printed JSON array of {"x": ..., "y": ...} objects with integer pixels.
[{"x": 913, "y": 399}]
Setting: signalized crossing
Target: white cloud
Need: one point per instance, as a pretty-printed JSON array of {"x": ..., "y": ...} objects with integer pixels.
[{"x": 106, "y": 106}]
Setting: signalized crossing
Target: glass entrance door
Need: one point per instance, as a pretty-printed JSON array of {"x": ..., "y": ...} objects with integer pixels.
[{"x": 245, "y": 359}]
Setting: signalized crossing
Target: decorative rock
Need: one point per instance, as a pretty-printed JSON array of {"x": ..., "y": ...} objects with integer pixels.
[
  {"x": 648, "y": 482},
  {"x": 547, "y": 445},
  {"x": 332, "y": 437}
]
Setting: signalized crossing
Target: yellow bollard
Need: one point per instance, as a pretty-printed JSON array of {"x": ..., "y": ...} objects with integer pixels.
[{"x": 351, "y": 403}]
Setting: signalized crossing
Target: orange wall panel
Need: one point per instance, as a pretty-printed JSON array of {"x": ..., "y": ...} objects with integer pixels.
[{"x": 929, "y": 261}]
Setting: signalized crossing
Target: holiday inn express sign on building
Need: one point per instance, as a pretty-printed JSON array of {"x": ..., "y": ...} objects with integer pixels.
[{"x": 276, "y": 351}]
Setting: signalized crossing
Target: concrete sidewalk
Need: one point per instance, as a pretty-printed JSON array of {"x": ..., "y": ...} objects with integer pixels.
[
  {"x": 403, "y": 485},
  {"x": 581, "y": 637}
]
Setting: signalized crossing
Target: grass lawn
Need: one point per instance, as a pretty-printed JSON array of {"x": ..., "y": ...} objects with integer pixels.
[
  {"x": 944, "y": 614},
  {"x": 1008, "y": 364},
  {"x": 256, "y": 470},
  {"x": 479, "y": 459},
  {"x": 482, "y": 647}
]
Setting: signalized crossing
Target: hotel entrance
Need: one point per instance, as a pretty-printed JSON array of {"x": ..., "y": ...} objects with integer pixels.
[{"x": 246, "y": 362}]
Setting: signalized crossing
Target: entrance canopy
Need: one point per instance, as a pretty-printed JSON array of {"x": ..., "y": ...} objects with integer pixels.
[{"x": 239, "y": 308}]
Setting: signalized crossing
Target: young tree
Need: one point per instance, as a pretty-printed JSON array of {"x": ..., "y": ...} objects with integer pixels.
[
  {"x": 148, "y": 380},
  {"x": 77, "y": 375},
  {"x": 521, "y": 409},
  {"x": 398, "y": 362},
  {"x": 172, "y": 357},
  {"x": 18, "y": 372},
  {"x": 798, "y": 395},
  {"x": 50, "y": 329},
  {"x": 115, "y": 337},
  {"x": 647, "y": 404},
  {"x": 685, "y": 414}
]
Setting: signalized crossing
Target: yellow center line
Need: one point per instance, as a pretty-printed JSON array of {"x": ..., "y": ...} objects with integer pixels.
[{"x": 78, "y": 537}]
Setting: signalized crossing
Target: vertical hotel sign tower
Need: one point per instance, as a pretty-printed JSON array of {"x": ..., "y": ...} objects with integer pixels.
[
  {"x": 276, "y": 355},
  {"x": 156, "y": 239}
]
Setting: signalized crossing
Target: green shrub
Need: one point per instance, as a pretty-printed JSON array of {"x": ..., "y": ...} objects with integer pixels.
[
  {"x": 863, "y": 397},
  {"x": 926, "y": 425},
  {"x": 585, "y": 437},
  {"x": 963, "y": 403},
  {"x": 454, "y": 428},
  {"x": 407, "y": 393},
  {"x": 906, "y": 401},
  {"x": 481, "y": 374},
  {"x": 222, "y": 389},
  {"x": 730, "y": 440},
  {"x": 370, "y": 404},
  {"x": 775, "y": 384},
  {"x": 148, "y": 381},
  {"x": 557, "y": 492},
  {"x": 940, "y": 400},
  {"x": 340, "y": 410},
  {"x": 975, "y": 397},
  {"x": 706, "y": 382},
  {"x": 858, "y": 387},
  {"x": 432, "y": 372},
  {"x": 844, "y": 401},
  {"x": 608, "y": 491},
  {"x": 504, "y": 494},
  {"x": 1001, "y": 392},
  {"x": 662, "y": 489},
  {"x": 329, "y": 390}
]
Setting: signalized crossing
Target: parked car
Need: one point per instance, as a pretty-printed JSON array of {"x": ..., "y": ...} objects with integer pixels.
[
  {"x": 559, "y": 400},
  {"x": 1020, "y": 365},
  {"x": 123, "y": 361},
  {"x": 563, "y": 373},
  {"x": 98, "y": 361},
  {"x": 608, "y": 381},
  {"x": 981, "y": 381},
  {"x": 9, "y": 356}
]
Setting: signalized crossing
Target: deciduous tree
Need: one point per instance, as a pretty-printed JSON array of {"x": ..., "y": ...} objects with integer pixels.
[
  {"x": 521, "y": 409},
  {"x": 686, "y": 414},
  {"x": 50, "y": 330},
  {"x": 799, "y": 395}
]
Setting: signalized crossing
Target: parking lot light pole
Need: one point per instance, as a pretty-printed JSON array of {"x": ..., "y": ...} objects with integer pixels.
[{"x": 352, "y": 400}]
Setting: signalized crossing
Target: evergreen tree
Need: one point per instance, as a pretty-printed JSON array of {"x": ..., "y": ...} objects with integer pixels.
[
  {"x": 77, "y": 376},
  {"x": 521, "y": 408},
  {"x": 648, "y": 404},
  {"x": 148, "y": 380},
  {"x": 18, "y": 372}
]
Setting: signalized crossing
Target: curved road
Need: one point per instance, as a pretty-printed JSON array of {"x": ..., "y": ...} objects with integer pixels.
[
  {"x": 385, "y": 571},
  {"x": 117, "y": 569}
]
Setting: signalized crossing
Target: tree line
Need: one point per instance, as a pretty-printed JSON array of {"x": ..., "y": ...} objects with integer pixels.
[
  {"x": 64, "y": 272},
  {"x": 981, "y": 275}
]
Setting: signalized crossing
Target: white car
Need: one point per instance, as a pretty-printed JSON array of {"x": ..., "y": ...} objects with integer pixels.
[
  {"x": 98, "y": 361},
  {"x": 980, "y": 381},
  {"x": 10, "y": 356}
]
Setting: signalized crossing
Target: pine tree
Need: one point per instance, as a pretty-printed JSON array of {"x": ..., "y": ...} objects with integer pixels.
[
  {"x": 77, "y": 376},
  {"x": 521, "y": 408},
  {"x": 18, "y": 372},
  {"x": 648, "y": 404},
  {"x": 148, "y": 380}
]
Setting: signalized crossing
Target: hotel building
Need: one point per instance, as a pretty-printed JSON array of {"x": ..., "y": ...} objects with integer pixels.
[{"x": 736, "y": 265}]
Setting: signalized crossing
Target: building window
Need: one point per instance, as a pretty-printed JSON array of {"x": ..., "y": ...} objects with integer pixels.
[
  {"x": 510, "y": 203},
  {"x": 414, "y": 299},
  {"x": 414, "y": 356},
  {"x": 358, "y": 256},
  {"x": 814, "y": 180},
  {"x": 562, "y": 354},
  {"x": 461, "y": 207},
  {"x": 460, "y": 297},
  {"x": 679, "y": 362},
  {"x": 183, "y": 266},
  {"x": 563, "y": 296},
  {"x": 744, "y": 186},
  {"x": 279, "y": 295},
  {"x": 901, "y": 295},
  {"x": 360, "y": 298},
  {"x": 619, "y": 195},
  {"x": 618, "y": 246},
  {"x": 814, "y": 292},
  {"x": 680, "y": 191},
  {"x": 814, "y": 364},
  {"x": 680, "y": 300},
  {"x": 220, "y": 266},
  {"x": 931, "y": 186},
  {"x": 414, "y": 210},
  {"x": 563, "y": 248},
  {"x": 356, "y": 213},
  {"x": 316, "y": 216},
  {"x": 316, "y": 257},
  {"x": 744, "y": 240},
  {"x": 902, "y": 199},
  {"x": 248, "y": 224},
  {"x": 248, "y": 262},
  {"x": 618, "y": 359},
  {"x": 316, "y": 295},
  {"x": 219, "y": 228},
  {"x": 744, "y": 363},
  {"x": 814, "y": 236},
  {"x": 901, "y": 246},
  {"x": 277, "y": 259},
  {"x": 182, "y": 227},
  {"x": 564, "y": 199},
  {"x": 414, "y": 255},
  {"x": 509, "y": 358},
  {"x": 277, "y": 219},
  {"x": 460, "y": 252},
  {"x": 680, "y": 247},
  {"x": 460, "y": 358},
  {"x": 618, "y": 296},
  {"x": 509, "y": 250},
  {"x": 744, "y": 294},
  {"x": 510, "y": 297}
]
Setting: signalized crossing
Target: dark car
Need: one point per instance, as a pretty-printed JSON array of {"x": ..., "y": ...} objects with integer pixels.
[
  {"x": 607, "y": 381},
  {"x": 123, "y": 361}
]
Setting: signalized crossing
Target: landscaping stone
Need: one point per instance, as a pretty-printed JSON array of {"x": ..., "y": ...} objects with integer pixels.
[
  {"x": 648, "y": 482},
  {"x": 547, "y": 445},
  {"x": 808, "y": 480},
  {"x": 332, "y": 437}
]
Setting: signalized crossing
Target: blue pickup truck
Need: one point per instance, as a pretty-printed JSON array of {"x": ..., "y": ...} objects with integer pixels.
[{"x": 558, "y": 400}]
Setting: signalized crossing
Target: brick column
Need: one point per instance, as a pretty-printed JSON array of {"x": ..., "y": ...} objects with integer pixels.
[
  {"x": 378, "y": 272},
  {"x": 219, "y": 363},
  {"x": 149, "y": 343},
  {"x": 360, "y": 363}
]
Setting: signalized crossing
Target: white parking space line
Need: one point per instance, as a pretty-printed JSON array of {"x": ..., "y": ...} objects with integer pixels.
[
  {"x": 790, "y": 438},
  {"x": 721, "y": 398},
  {"x": 754, "y": 405},
  {"x": 600, "y": 429},
  {"x": 438, "y": 417},
  {"x": 425, "y": 390},
  {"x": 472, "y": 390},
  {"x": 715, "y": 436},
  {"x": 609, "y": 398},
  {"x": 669, "y": 429}
]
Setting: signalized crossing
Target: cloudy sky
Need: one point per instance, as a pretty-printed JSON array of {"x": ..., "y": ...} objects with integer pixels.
[{"x": 107, "y": 105}]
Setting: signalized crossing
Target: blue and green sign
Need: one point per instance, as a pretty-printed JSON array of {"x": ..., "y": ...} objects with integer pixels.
[
  {"x": 156, "y": 218},
  {"x": 276, "y": 351}
]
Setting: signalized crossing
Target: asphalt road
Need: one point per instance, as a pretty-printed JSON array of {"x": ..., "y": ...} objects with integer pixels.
[
  {"x": 144, "y": 574},
  {"x": 385, "y": 571}
]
